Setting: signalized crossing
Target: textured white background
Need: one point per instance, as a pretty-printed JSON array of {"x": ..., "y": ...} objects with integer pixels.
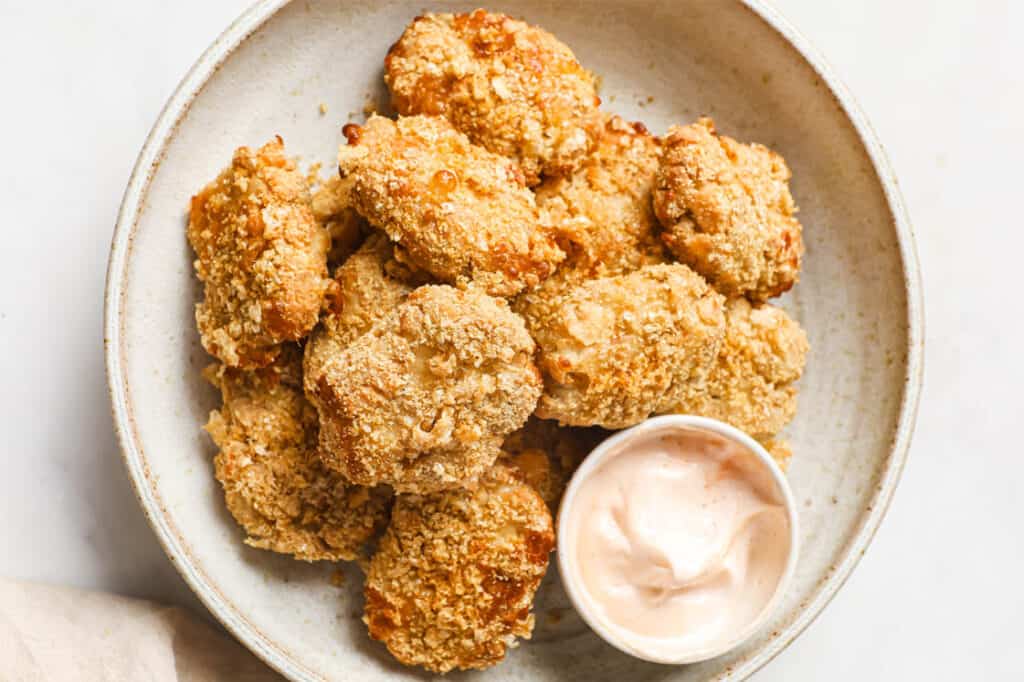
[{"x": 940, "y": 594}]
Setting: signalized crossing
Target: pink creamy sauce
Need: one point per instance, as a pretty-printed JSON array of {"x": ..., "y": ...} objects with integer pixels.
[{"x": 681, "y": 538}]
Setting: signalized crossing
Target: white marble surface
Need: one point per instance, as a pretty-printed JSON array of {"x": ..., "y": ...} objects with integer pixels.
[{"x": 939, "y": 594}]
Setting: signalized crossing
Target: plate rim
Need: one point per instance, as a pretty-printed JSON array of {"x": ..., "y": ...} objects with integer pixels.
[{"x": 175, "y": 546}]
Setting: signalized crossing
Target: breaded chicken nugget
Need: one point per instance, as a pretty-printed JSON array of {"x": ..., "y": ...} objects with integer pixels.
[
  {"x": 458, "y": 211},
  {"x": 547, "y": 455},
  {"x": 423, "y": 400},
  {"x": 513, "y": 88},
  {"x": 602, "y": 212},
  {"x": 274, "y": 483},
  {"x": 728, "y": 213},
  {"x": 367, "y": 287},
  {"x": 453, "y": 579},
  {"x": 614, "y": 351},
  {"x": 752, "y": 383},
  {"x": 332, "y": 207},
  {"x": 261, "y": 255}
]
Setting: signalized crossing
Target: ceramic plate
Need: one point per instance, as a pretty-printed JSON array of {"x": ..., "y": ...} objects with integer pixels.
[{"x": 662, "y": 62}]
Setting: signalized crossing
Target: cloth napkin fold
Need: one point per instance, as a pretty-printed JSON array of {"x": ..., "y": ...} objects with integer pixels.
[{"x": 56, "y": 634}]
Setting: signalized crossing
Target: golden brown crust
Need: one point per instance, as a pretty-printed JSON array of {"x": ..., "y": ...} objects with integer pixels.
[
  {"x": 752, "y": 385},
  {"x": 423, "y": 400},
  {"x": 332, "y": 208},
  {"x": 511, "y": 87},
  {"x": 370, "y": 284},
  {"x": 728, "y": 212},
  {"x": 547, "y": 455},
  {"x": 261, "y": 255},
  {"x": 614, "y": 351},
  {"x": 780, "y": 451},
  {"x": 453, "y": 579},
  {"x": 274, "y": 484},
  {"x": 458, "y": 211},
  {"x": 602, "y": 212}
]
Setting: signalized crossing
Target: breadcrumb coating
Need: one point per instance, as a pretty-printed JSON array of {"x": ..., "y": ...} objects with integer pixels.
[
  {"x": 547, "y": 455},
  {"x": 752, "y": 385},
  {"x": 458, "y": 211},
  {"x": 274, "y": 483},
  {"x": 616, "y": 350},
  {"x": 511, "y": 87},
  {"x": 261, "y": 256},
  {"x": 424, "y": 399},
  {"x": 728, "y": 212},
  {"x": 602, "y": 212},
  {"x": 780, "y": 451},
  {"x": 370, "y": 284},
  {"x": 452, "y": 582},
  {"x": 332, "y": 207}
]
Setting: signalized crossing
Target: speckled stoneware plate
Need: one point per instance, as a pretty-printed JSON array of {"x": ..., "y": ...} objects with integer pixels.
[{"x": 662, "y": 62}]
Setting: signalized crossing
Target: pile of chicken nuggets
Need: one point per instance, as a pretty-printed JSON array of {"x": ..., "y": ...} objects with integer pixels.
[{"x": 415, "y": 354}]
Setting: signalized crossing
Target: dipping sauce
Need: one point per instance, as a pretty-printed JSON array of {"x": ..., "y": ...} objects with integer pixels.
[{"x": 679, "y": 539}]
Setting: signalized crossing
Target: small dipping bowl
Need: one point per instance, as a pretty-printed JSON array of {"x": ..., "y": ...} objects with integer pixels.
[{"x": 760, "y": 464}]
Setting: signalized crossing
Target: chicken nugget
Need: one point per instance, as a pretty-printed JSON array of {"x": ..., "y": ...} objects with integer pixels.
[
  {"x": 547, "y": 455},
  {"x": 369, "y": 285},
  {"x": 274, "y": 483},
  {"x": 752, "y": 385},
  {"x": 332, "y": 207},
  {"x": 616, "y": 350},
  {"x": 458, "y": 211},
  {"x": 602, "y": 212},
  {"x": 453, "y": 579},
  {"x": 728, "y": 212},
  {"x": 424, "y": 399},
  {"x": 261, "y": 255},
  {"x": 511, "y": 87}
]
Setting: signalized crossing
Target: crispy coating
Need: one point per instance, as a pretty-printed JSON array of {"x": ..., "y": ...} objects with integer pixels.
[
  {"x": 616, "y": 350},
  {"x": 332, "y": 208},
  {"x": 274, "y": 483},
  {"x": 780, "y": 451},
  {"x": 602, "y": 212},
  {"x": 511, "y": 87},
  {"x": 752, "y": 385},
  {"x": 547, "y": 455},
  {"x": 423, "y": 400},
  {"x": 453, "y": 579},
  {"x": 458, "y": 211},
  {"x": 728, "y": 213},
  {"x": 369, "y": 285},
  {"x": 261, "y": 255}
]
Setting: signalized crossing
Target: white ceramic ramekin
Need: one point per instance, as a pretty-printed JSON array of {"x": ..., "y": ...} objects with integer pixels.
[{"x": 567, "y": 558}]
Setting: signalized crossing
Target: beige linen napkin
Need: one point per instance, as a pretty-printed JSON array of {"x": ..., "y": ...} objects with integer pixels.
[{"x": 55, "y": 634}]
